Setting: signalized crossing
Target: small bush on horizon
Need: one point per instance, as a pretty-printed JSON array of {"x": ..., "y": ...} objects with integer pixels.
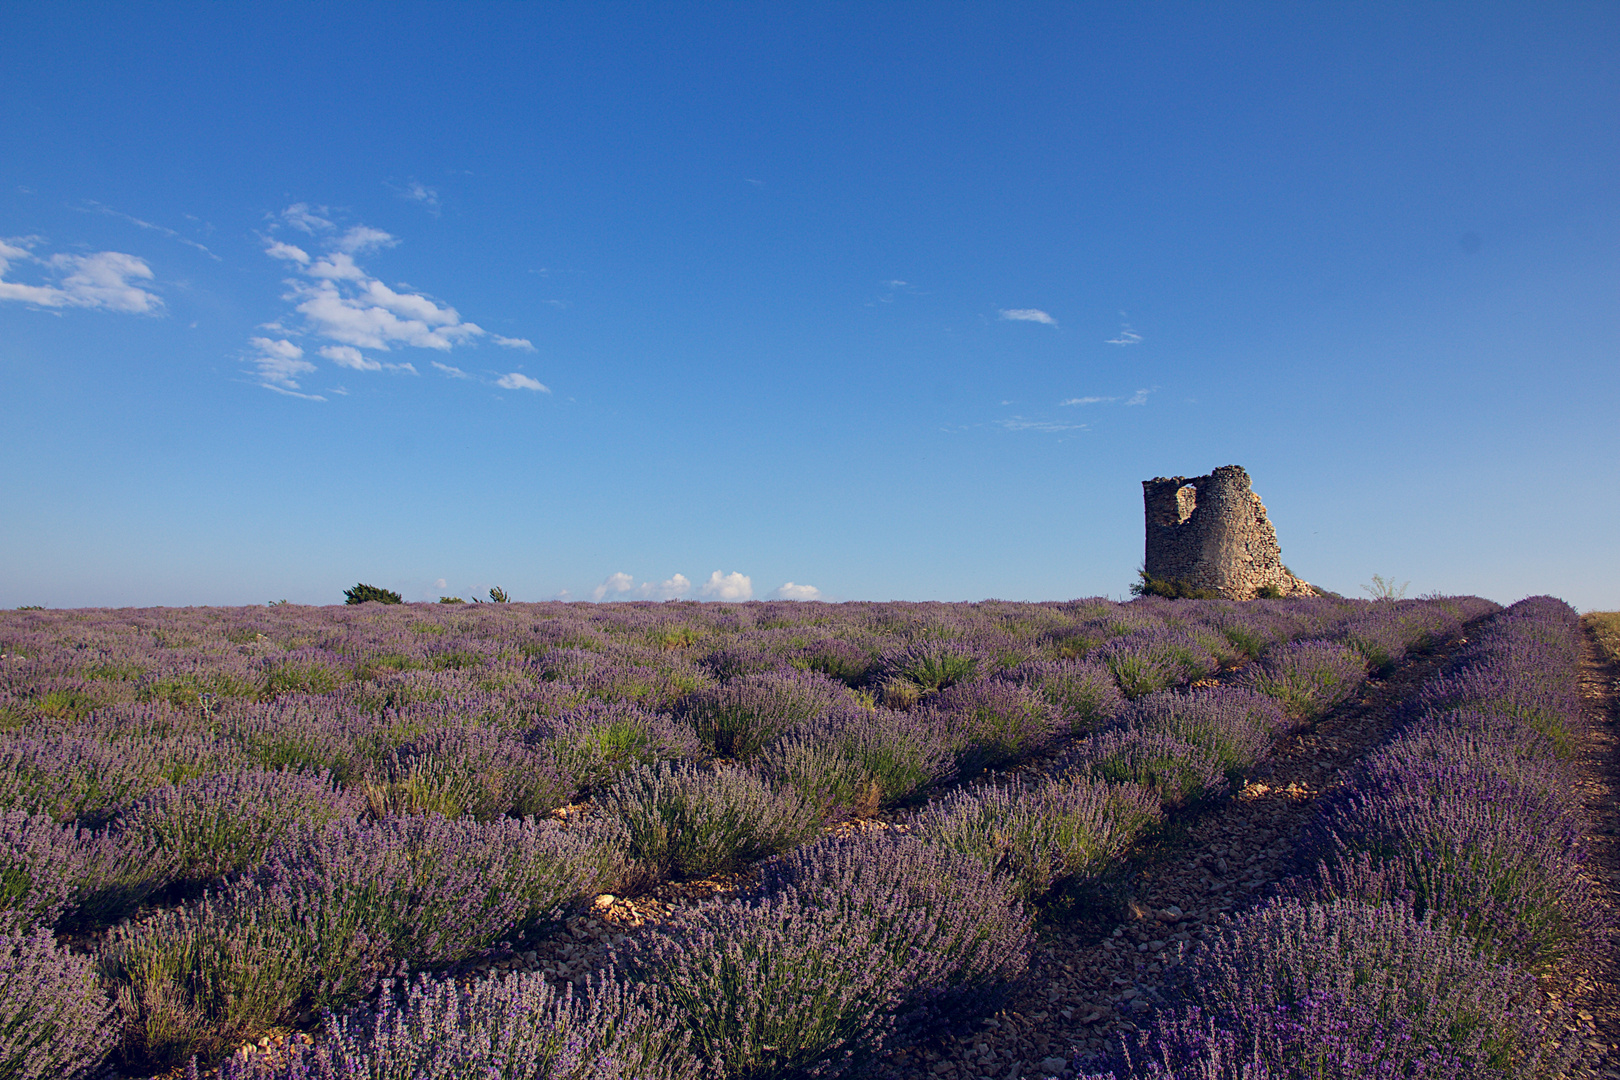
[
  {"x": 451, "y": 600},
  {"x": 1382, "y": 588},
  {"x": 1170, "y": 588},
  {"x": 363, "y": 593}
]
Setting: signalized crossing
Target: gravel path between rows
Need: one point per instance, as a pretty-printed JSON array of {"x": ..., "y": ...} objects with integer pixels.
[
  {"x": 1091, "y": 983},
  {"x": 1592, "y": 985}
]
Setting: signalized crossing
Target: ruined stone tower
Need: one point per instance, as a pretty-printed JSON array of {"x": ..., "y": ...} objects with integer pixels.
[{"x": 1212, "y": 533}]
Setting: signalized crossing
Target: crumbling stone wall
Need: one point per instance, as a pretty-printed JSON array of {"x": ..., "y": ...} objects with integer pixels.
[{"x": 1212, "y": 533}]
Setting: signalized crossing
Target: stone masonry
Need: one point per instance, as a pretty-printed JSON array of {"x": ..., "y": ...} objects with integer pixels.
[{"x": 1212, "y": 533}]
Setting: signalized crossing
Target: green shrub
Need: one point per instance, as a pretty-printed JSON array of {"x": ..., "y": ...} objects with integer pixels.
[
  {"x": 1170, "y": 588},
  {"x": 361, "y": 594}
]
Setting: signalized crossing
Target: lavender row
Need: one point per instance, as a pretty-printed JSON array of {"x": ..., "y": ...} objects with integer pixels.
[
  {"x": 1434, "y": 887},
  {"x": 148, "y": 787}
]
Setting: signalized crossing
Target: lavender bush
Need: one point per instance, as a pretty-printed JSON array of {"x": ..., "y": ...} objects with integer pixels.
[
  {"x": 197, "y": 979},
  {"x": 739, "y": 719},
  {"x": 1178, "y": 772},
  {"x": 684, "y": 822},
  {"x": 1155, "y": 659},
  {"x": 852, "y": 943},
  {"x": 41, "y": 863},
  {"x": 216, "y": 825},
  {"x": 512, "y": 1027},
  {"x": 860, "y": 762},
  {"x": 599, "y": 741},
  {"x": 1074, "y": 829},
  {"x": 1234, "y": 724},
  {"x": 1084, "y": 695},
  {"x": 55, "y": 1019},
  {"x": 1345, "y": 989},
  {"x": 426, "y": 890},
  {"x": 476, "y": 772},
  {"x": 1500, "y": 858},
  {"x": 1307, "y": 678},
  {"x": 991, "y": 723}
]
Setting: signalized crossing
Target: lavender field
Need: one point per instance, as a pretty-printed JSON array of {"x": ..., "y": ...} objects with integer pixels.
[{"x": 352, "y": 823}]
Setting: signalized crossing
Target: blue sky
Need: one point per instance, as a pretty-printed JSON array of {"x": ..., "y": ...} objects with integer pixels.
[{"x": 854, "y": 301}]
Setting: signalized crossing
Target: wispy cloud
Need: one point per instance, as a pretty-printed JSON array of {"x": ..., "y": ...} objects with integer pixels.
[
  {"x": 1127, "y": 336},
  {"x": 514, "y": 343},
  {"x": 106, "y": 280},
  {"x": 418, "y": 192},
  {"x": 1021, "y": 423},
  {"x": 790, "y": 591},
  {"x": 453, "y": 372},
  {"x": 92, "y": 206},
  {"x": 279, "y": 363},
  {"x": 1140, "y": 397},
  {"x": 518, "y": 381},
  {"x": 1087, "y": 400},
  {"x": 302, "y": 218},
  {"x": 732, "y": 588},
  {"x": 289, "y": 252},
  {"x": 1035, "y": 315}
]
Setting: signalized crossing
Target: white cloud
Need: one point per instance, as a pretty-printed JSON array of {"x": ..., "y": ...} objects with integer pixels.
[
  {"x": 104, "y": 280},
  {"x": 732, "y": 587},
  {"x": 300, "y": 217},
  {"x": 1086, "y": 400},
  {"x": 290, "y": 252},
  {"x": 1019, "y": 423},
  {"x": 440, "y": 584},
  {"x": 279, "y": 363},
  {"x": 363, "y": 238},
  {"x": 617, "y": 584},
  {"x": 348, "y": 309},
  {"x": 1127, "y": 336},
  {"x": 348, "y": 356},
  {"x": 622, "y": 586},
  {"x": 517, "y": 381},
  {"x": 791, "y": 591},
  {"x": 1140, "y": 397},
  {"x": 1035, "y": 315}
]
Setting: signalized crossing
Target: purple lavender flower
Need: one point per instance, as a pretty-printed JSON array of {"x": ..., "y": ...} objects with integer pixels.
[
  {"x": 687, "y": 822},
  {"x": 991, "y": 723},
  {"x": 739, "y": 719},
  {"x": 1345, "y": 989},
  {"x": 1178, "y": 772},
  {"x": 515, "y": 1025},
  {"x": 1085, "y": 695},
  {"x": 848, "y": 948},
  {"x": 1307, "y": 678},
  {"x": 859, "y": 762},
  {"x": 1071, "y": 830},
  {"x": 54, "y": 1016}
]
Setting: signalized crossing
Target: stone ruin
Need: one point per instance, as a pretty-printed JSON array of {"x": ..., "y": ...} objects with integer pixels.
[{"x": 1211, "y": 533}]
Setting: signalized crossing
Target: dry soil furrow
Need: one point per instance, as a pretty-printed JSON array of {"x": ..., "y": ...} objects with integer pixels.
[{"x": 1591, "y": 984}]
